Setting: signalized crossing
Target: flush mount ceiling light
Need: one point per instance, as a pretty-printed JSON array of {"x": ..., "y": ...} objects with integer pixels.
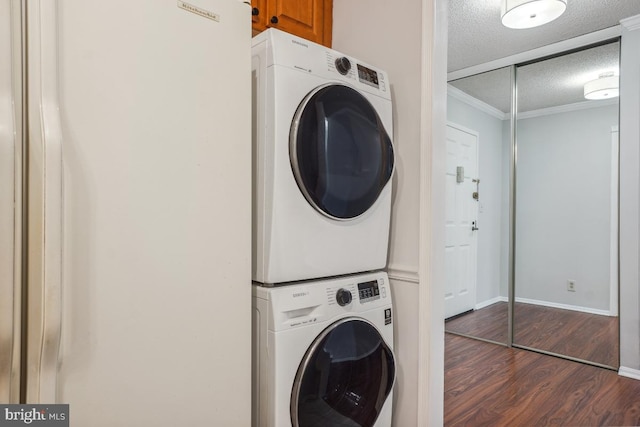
[
  {"x": 521, "y": 14},
  {"x": 604, "y": 87}
]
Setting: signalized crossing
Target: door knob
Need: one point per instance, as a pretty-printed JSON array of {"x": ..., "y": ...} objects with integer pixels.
[
  {"x": 274, "y": 19},
  {"x": 473, "y": 226},
  {"x": 255, "y": 11}
]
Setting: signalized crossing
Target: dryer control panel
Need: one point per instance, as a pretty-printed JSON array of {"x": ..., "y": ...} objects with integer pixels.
[
  {"x": 368, "y": 76},
  {"x": 354, "y": 70},
  {"x": 286, "y": 50}
]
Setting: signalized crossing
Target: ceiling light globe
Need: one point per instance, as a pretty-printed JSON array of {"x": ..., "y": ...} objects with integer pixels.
[
  {"x": 603, "y": 88},
  {"x": 521, "y": 14}
]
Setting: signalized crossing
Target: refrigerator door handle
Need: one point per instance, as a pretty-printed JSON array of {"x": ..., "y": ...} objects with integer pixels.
[{"x": 45, "y": 195}]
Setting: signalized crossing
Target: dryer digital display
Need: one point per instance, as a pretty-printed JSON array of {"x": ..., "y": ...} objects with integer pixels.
[
  {"x": 368, "y": 76},
  {"x": 368, "y": 291}
]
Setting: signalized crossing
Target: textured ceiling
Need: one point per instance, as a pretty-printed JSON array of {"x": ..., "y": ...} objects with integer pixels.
[
  {"x": 476, "y": 34},
  {"x": 492, "y": 88},
  {"x": 550, "y": 83}
]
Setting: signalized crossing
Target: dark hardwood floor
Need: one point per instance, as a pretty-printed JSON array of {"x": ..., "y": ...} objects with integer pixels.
[
  {"x": 491, "y": 385},
  {"x": 489, "y": 323},
  {"x": 571, "y": 333},
  {"x": 584, "y": 336}
]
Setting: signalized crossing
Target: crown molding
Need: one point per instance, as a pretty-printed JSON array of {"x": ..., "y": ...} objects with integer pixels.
[
  {"x": 476, "y": 103},
  {"x": 494, "y": 112},
  {"x": 567, "y": 108},
  {"x": 631, "y": 24}
]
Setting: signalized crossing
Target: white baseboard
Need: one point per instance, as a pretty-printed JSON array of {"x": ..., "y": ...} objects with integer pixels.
[
  {"x": 564, "y": 306},
  {"x": 629, "y": 373},
  {"x": 488, "y": 302}
]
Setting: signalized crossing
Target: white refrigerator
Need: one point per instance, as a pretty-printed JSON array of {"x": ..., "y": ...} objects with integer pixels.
[{"x": 125, "y": 221}]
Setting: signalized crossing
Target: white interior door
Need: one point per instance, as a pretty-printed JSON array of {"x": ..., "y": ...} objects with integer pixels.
[{"x": 461, "y": 220}]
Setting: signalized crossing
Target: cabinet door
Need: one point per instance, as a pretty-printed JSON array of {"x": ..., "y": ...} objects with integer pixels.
[
  {"x": 310, "y": 19},
  {"x": 259, "y": 15}
]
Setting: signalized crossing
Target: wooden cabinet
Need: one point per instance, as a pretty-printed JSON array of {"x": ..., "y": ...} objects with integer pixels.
[
  {"x": 309, "y": 19},
  {"x": 258, "y": 16}
]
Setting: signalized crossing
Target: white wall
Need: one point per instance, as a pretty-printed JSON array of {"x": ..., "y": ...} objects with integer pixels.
[
  {"x": 392, "y": 37},
  {"x": 563, "y": 207},
  {"x": 539, "y": 269},
  {"x": 630, "y": 197},
  {"x": 490, "y": 210}
]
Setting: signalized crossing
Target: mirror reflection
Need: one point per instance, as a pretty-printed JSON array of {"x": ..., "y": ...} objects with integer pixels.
[
  {"x": 477, "y": 205},
  {"x": 566, "y": 238},
  {"x": 565, "y": 206}
]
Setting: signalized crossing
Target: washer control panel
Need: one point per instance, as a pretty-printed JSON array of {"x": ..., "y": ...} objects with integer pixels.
[
  {"x": 363, "y": 291},
  {"x": 368, "y": 291},
  {"x": 313, "y": 302}
]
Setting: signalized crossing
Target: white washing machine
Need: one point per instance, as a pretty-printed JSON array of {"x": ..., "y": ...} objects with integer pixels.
[
  {"x": 323, "y": 161},
  {"x": 322, "y": 353}
]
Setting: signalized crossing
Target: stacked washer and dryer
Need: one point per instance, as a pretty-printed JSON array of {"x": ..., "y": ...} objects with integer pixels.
[{"x": 322, "y": 164}]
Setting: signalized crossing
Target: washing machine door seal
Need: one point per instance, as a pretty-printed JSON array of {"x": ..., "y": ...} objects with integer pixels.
[
  {"x": 341, "y": 154},
  {"x": 344, "y": 378}
]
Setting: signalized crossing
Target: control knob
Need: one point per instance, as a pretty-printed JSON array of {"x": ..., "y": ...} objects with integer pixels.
[
  {"x": 343, "y": 65},
  {"x": 343, "y": 297}
]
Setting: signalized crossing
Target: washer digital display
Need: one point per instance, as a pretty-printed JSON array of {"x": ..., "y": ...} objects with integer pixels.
[
  {"x": 368, "y": 76},
  {"x": 368, "y": 291}
]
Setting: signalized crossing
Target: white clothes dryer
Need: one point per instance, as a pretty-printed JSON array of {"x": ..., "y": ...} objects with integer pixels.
[
  {"x": 323, "y": 161},
  {"x": 322, "y": 353}
]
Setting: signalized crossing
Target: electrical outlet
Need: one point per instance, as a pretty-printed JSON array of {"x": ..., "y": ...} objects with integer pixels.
[{"x": 571, "y": 285}]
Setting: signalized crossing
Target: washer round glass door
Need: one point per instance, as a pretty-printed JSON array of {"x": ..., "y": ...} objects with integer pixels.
[
  {"x": 341, "y": 154},
  {"x": 344, "y": 378}
]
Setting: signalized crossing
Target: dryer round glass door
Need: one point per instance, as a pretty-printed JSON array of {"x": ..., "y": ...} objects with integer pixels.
[
  {"x": 341, "y": 154},
  {"x": 344, "y": 378}
]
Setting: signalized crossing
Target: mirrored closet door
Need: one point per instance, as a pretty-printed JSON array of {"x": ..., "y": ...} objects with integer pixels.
[
  {"x": 566, "y": 211},
  {"x": 532, "y": 206},
  {"x": 477, "y": 205}
]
